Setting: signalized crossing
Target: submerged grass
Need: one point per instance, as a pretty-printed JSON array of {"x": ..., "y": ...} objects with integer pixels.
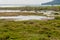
[{"x": 30, "y": 30}]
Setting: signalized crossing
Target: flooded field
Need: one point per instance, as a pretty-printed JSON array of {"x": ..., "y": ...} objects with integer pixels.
[{"x": 26, "y": 15}]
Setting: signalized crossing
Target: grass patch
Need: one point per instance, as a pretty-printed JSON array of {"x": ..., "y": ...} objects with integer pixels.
[{"x": 30, "y": 30}]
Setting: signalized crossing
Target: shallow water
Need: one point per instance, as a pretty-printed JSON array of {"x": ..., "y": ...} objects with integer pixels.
[
  {"x": 9, "y": 10},
  {"x": 27, "y": 17}
]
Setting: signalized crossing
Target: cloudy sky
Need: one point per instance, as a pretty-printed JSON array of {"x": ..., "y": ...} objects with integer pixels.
[{"x": 23, "y": 1}]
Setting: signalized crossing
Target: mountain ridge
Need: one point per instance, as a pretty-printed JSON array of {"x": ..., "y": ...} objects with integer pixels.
[{"x": 54, "y": 2}]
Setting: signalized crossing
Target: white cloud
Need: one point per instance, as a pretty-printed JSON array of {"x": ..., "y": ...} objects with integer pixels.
[{"x": 23, "y": 1}]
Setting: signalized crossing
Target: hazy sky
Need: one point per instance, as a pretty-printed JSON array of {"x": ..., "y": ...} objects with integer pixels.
[{"x": 23, "y": 1}]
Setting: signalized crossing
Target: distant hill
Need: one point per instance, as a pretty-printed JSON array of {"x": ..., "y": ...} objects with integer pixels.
[{"x": 54, "y": 2}]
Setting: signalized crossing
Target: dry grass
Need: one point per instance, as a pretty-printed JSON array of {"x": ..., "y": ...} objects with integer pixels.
[{"x": 18, "y": 13}]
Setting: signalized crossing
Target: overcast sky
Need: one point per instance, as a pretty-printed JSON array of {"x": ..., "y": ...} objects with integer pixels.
[{"x": 23, "y": 1}]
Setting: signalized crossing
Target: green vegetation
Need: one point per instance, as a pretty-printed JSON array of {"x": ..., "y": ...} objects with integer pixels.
[
  {"x": 56, "y": 13},
  {"x": 30, "y": 30},
  {"x": 29, "y": 8},
  {"x": 57, "y": 17}
]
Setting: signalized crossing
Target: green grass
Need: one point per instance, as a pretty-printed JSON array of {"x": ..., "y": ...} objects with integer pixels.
[{"x": 30, "y": 30}]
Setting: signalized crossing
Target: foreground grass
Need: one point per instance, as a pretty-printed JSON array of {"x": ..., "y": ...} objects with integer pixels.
[{"x": 30, "y": 30}]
